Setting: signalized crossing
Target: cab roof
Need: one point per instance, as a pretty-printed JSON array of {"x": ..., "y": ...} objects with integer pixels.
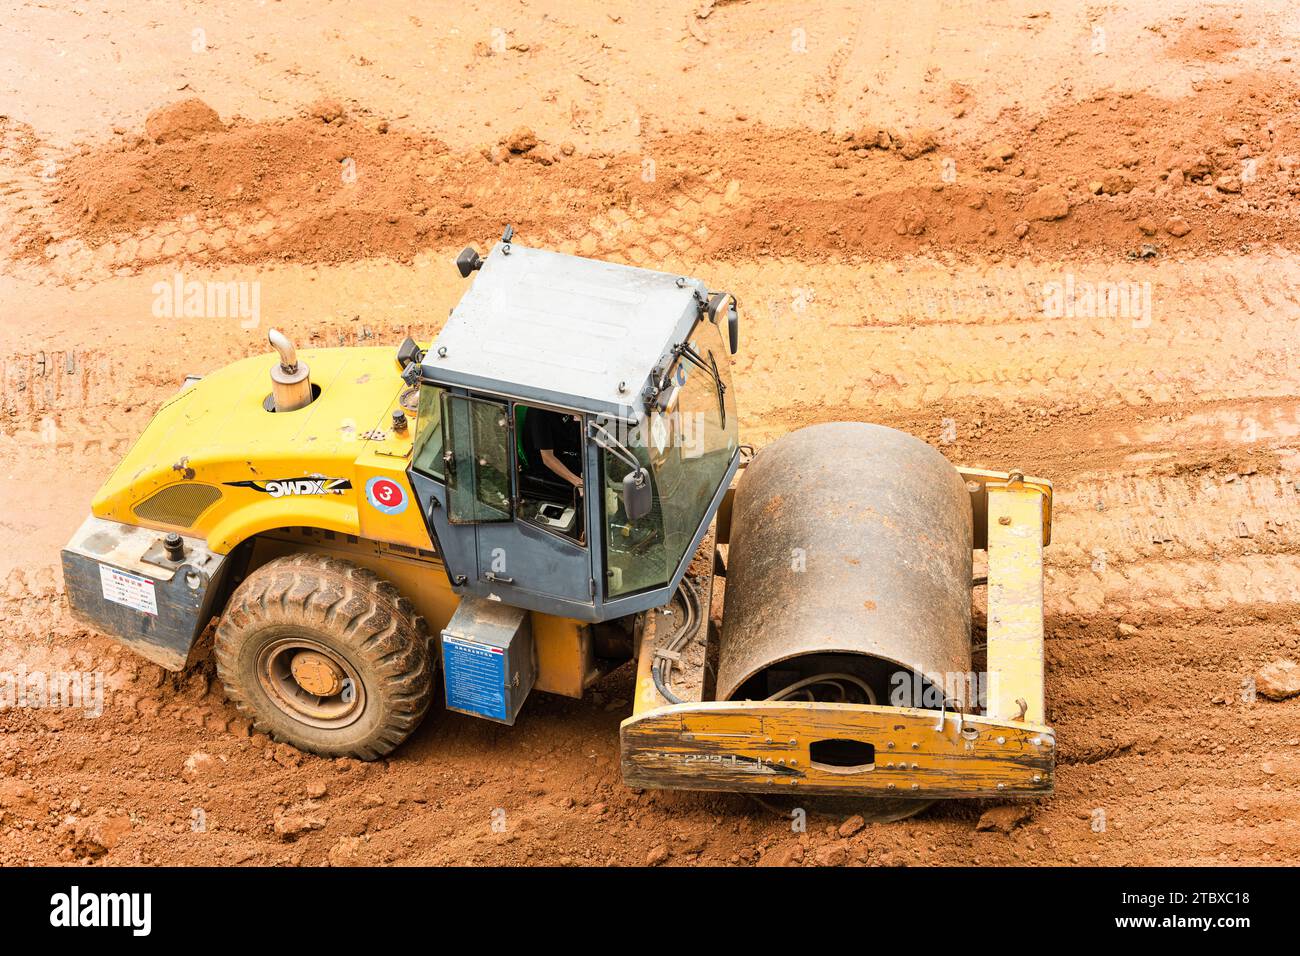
[{"x": 563, "y": 330}]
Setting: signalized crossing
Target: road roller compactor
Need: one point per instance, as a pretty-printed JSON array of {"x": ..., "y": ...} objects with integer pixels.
[{"x": 555, "y": 488}]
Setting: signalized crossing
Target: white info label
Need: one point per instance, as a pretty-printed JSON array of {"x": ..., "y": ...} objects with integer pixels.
[{"x": 129, "y": 589}]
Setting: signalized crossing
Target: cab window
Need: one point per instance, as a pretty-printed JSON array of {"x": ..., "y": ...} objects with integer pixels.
[
  {"x": 477, "y": 462},
  {"x": 549, "y": 469}
]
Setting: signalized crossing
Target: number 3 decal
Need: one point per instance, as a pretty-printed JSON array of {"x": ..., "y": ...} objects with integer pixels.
[{"x": 386, "y": 495}]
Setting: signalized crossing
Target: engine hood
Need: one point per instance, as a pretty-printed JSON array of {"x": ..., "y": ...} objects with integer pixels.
[{"x": 214, "y": 448}]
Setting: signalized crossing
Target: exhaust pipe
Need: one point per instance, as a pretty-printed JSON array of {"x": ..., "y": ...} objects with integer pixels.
[{"x": 290, "y": 381}]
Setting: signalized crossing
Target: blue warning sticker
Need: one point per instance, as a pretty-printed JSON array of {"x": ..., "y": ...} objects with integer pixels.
[{"x": 475, "y": 676}]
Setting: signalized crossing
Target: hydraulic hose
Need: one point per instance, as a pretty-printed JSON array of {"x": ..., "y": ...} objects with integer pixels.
[{"x": 662, "y": 668}]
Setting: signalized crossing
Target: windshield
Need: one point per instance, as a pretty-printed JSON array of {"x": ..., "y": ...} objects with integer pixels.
[{"x": 687, "y": 448}]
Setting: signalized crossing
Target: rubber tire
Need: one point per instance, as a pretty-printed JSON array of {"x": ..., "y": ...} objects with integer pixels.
[{"x": 349, "y": 609}]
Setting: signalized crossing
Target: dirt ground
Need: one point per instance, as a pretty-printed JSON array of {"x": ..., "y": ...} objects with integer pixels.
[{"x": 914, "y": 203}]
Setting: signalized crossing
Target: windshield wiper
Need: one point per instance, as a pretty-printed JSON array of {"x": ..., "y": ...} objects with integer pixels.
[
  {"x": 687, "y": 351},
  {"x": 722, "y": 390}
]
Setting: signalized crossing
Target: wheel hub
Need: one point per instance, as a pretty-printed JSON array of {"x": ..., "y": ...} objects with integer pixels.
[
  {"x": 311, "y": 682},
  {"x": 317, "y": 674}
]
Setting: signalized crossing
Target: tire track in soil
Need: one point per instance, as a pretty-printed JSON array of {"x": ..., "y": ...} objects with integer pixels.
[{"x": 1157, "y": 726}]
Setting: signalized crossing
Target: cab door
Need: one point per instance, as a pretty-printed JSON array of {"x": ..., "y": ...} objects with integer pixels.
[
  {"x": 517, "y": 561},
  {"x": 477, "y": 459}
]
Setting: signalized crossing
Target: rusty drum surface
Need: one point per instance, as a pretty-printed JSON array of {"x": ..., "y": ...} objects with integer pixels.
[{"x": 850, "y": 543}]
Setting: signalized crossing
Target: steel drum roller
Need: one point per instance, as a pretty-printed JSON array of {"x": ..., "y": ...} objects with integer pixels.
[{"x": 850, "y": 556}]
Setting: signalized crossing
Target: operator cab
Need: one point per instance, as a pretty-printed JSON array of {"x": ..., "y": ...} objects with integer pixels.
[{"x": 576, "y": 431}]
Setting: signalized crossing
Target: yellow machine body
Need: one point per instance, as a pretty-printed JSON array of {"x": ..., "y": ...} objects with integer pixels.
[
  {"x": 218, "y": 432},
  {"x": 225, "y": 470}
]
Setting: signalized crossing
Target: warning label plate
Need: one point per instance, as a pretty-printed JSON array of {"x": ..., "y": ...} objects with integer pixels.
[
  {"x": 476, "y": 677},
  {"x": 132, "y": 590}
]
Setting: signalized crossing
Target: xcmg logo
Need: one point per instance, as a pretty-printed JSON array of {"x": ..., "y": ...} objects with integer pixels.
[{"x": 288, "y": 487}]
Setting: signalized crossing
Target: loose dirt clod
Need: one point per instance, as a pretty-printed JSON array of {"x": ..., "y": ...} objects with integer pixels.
[
  {"x": 1048, "y": 203},
  {"x": 917, "y": 143},
  {"x": 1278, "y": 680},
  {"x": 286, "y": 756},
  {"x": 295, "y": 821},
  {"x": 790, "y": 853},
  {"x": 181, "y": 121},
  {"x": 521, "y": 140},
  {"x": 851, "y": 826},
  {"x": 345, "y": 852},
  {"x": 832, "y": 854},
  {"x": 1005, "y": 818},
  {"x": 196, "y": 765},
  {"x": 327, "y": 110},
  {"x": 96, "y": 834},
  {"x": 1116, "y": 181}
]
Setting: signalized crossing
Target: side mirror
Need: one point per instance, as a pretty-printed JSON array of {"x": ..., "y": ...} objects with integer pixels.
[
  {"x": 722, "y": 308},
  {"x": 637, "y": 497},
  {"x": 468, "y": 261}
]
